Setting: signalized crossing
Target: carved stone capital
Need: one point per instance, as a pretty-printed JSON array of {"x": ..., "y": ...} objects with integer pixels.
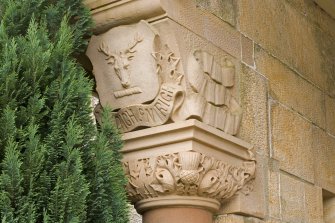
[
  {"x": 189, "y": 176},
  {"x": 188, "y": 173}
]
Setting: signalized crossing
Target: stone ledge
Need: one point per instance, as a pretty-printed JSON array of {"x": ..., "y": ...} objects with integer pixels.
[
  {"x": 211, "y": 205},
  {"x": 110, "y": 13},
  {"x": 184, "y": 136}
]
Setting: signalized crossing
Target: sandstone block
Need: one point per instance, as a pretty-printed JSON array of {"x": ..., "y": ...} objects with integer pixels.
[
  {"x": 329, "y": 210},
  {"x": 229, "y": 219},
  {"x": 247, "y": 50},
  {"x": 327, "y": 47},
  {"x": 290, "y": 89},
  {"x": 330, "y": 115},
  {"x": 224, "y": 9},
  {"x": 292, "y": 40},
  {"x": 274, "y": 189},
  {"x": 324, "y": 153},
  {"x": 254, "y": 124},
  {"x": 292, "y": 199},
  {"x": 313, "y": 203},
  {"x": 204, "y": 24},
  {"x": 292, "y": 142},
  {"x": 315, "y": 14}
]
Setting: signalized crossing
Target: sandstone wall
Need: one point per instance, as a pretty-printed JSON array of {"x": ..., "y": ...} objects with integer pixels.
[
  {"x": 287, "y": 90},
  {"x": 285, "y": 53},
  {"x": 286, "y": 85}
]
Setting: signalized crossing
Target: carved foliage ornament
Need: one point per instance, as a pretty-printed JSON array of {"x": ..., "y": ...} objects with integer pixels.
[{"x": 186, "y": 174}]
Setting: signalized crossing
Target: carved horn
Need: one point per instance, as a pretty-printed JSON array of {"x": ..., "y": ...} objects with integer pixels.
[
  {"x": 105, "y": 50},
  {"x": 131, "y": 46}
]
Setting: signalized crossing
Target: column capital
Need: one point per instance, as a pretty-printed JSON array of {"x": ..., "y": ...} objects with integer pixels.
[{"x": 201, "y": 168}]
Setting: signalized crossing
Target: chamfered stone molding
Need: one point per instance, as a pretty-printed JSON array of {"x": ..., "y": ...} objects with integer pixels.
[
  {"x": 111, "y": 13},
  {"x": 187, "y": 164}
]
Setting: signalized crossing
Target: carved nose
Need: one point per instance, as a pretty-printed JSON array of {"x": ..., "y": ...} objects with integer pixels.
[{"x": 125, "y": 84}]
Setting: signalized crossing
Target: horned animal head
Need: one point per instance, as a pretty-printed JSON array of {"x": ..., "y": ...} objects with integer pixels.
[{"x": 121, "y": 60}]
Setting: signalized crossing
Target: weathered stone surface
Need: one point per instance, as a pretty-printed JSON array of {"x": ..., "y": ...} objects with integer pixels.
[
  {"x": 254, "y": 124},
  {"x": 292, "y": 199},
  {"x": 313, "y": 203},
  {"x": 283, "y": 31},
  {"x": 329, "y": 210},
  {"x": 324, "y": 155},
  {"x": 315, "y": 14},
  {"x": 274, "y": 189},
  {"x": 273, "y": 220},
  {"x": 231, "y": 218},
  {"x": 330, "y": 115},
  {"x": 204, "y": 24},
  {"x": 247, "y": 50},
  {"x": 292, "y": 142},
  {"x": 255, "y": 203},
  {"x": 290, "y": 89},
  {"x": 327, "y": 48},
  {"x": 224, "y": 9}
]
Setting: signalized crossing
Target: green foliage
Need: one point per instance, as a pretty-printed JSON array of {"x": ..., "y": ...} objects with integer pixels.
[{"x": 55, "y": 165}]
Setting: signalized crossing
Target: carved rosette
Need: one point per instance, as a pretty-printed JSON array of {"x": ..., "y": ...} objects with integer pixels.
[{"x": 186, "y": 174}]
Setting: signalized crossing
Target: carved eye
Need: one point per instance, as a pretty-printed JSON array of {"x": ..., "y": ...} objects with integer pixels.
[
  {"x": 130, "y": 57},
  {"x": 111, "y": 61}
]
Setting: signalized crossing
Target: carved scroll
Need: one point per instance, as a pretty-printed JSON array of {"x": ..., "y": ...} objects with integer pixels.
[
  {"x": 210, "y": 99},
  {"x": 154, "y": 114},
  {"x": 186, "y": 174}
]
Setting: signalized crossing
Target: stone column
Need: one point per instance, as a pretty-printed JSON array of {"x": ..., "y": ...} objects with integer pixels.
[{"x": 174, "y": 98}]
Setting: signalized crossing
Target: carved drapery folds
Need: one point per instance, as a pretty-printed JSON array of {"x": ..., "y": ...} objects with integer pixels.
[{"x": 186, "y": 174}]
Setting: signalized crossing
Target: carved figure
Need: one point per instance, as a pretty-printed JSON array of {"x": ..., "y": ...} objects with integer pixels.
[{"x": 121, "y": 60}]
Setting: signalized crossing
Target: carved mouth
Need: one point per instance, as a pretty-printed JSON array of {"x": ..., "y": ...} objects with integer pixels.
[{"x": 127, "y": 92}]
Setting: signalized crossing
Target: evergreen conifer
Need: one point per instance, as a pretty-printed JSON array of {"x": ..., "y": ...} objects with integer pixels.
[{"x": 55, "y": 164}]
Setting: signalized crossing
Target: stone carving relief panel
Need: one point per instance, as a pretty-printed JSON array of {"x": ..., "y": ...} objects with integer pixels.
[
  {"x": 142, "y": 79},
  {"x": 186, "y": 174},
  {"x": 210, "y": 99},
  {"x": 123, "y": 67}
]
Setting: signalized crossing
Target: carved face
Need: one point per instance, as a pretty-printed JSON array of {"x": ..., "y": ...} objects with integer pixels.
[{"x": 121, "y": 64}]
